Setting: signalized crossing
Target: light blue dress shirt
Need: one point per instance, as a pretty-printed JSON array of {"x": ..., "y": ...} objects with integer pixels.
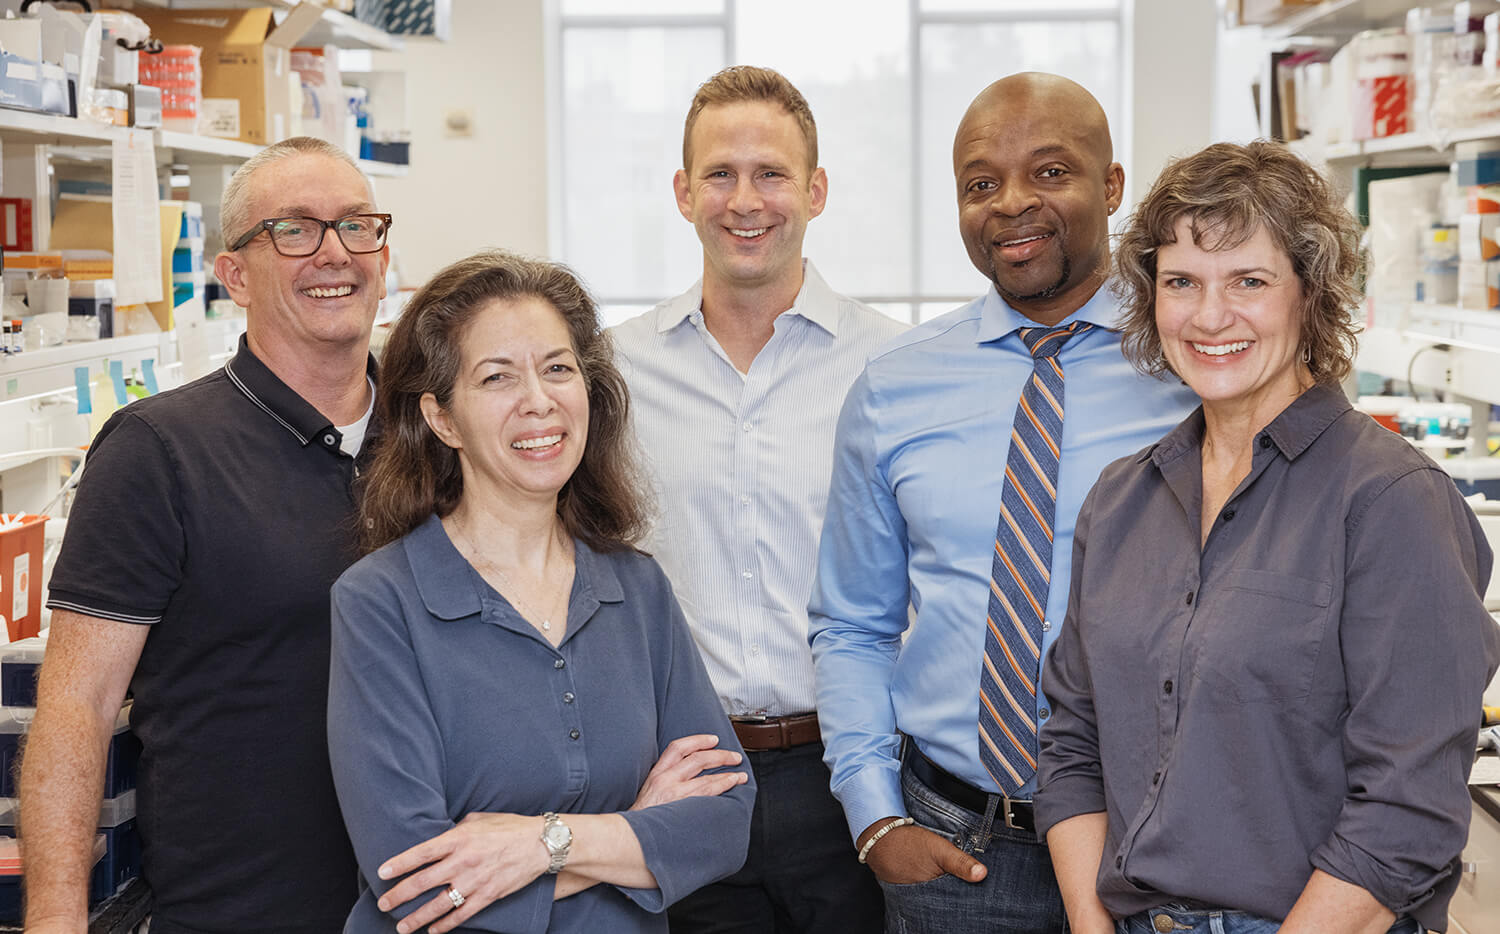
[
  {"x": 919, "y": 464},
  {"x": 739, "y": 463}
]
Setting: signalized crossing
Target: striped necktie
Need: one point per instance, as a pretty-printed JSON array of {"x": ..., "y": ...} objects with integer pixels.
[{"x": 1022, "y": 569}]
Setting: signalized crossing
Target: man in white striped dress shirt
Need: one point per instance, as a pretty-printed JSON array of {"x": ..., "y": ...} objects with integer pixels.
[{"x": 736, "y": 386}]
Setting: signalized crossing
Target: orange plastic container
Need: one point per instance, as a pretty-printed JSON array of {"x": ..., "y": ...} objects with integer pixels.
[{"x": 21, "y": 577}]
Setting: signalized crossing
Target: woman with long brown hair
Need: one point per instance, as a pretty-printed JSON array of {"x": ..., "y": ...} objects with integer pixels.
[{"x": 523, "y": 736}]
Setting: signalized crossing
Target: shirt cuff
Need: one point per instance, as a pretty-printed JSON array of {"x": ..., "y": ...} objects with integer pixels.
[
  {"x": 1065, "y": 797},
  {"x": 870, "y": 794},
  {"x": 1343, "y": 860}
]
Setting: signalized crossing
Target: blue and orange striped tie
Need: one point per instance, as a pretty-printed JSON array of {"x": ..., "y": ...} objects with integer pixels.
[{"x": 1022, "y": 570}]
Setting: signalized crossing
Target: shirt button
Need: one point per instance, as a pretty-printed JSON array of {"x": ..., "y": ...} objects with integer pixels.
[
  {"x": 746, "y": 426},
  {"x": 1228, "y": 514},
  {"x": 1043, "y": 713},
  {"x": 1046, "y": 625},
  {"x": 744, "y": 499},
  {"x": 573, "y": 734},
  {"x": 1166, "y": 687},
  {"x": 559, "y": 663},
  {"x": 330, "y": 440},
  {"x": 1265, "y": 441},
  {"x": 746, "y": 575},
  {"x": 567, "y": 697},
  {"x": 1156, "y": 778},
  {"x": 754, "y": 649},
  {"x": 1189, "y": 598}
]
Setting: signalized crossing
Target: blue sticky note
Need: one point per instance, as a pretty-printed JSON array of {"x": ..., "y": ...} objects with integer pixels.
[
  {"x": 81, "y": 383},
  {"x": 148, "y": 375},
  {"x": 117, "y": 376}
]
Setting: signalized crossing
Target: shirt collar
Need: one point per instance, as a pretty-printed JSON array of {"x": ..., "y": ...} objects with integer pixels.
[
  {"x": 277, "y": 399},
  {"x": 449, "y": 589},
  {"x": 1292, "y": 431},
  {"x": 812, "y": 302},
  {"x": 997, "y": 319}
]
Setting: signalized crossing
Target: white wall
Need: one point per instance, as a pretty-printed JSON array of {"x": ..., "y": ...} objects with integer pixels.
[
  {"x": 488, "y": 189},
  {"x": 1172, "y": 70}
]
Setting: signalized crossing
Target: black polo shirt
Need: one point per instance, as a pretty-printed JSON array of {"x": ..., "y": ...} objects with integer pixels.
[{"x": 220, "y": 514}]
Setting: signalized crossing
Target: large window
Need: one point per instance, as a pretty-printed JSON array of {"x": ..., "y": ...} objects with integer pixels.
[{"x": 887, "y": 80}]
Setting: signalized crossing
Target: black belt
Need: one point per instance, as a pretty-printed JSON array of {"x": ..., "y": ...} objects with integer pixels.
[{"x": 1017, "y": 814}]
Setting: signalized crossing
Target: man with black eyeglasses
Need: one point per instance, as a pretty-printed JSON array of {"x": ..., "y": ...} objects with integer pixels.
[{"x": 208, "y": 527}]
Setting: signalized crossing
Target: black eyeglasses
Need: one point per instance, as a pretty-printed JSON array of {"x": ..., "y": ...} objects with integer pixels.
[{"x": 303, "y": 236}]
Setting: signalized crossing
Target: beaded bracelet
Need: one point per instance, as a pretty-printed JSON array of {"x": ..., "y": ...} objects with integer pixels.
[{"x": 875, "y": 837}]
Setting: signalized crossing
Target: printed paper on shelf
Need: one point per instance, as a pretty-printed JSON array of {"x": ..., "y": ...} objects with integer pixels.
[
  {"x": 21, "y": 592},
  {"x": 137, "y": 220}
]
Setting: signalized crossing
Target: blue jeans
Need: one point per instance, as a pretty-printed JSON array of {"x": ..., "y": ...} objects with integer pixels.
[
  {"x": 1019, "y": 896},
  {"x": 801, "y": 874},
  {"x": 1181, "y": 920}
]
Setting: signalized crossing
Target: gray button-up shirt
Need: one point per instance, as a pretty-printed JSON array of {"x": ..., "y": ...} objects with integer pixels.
[{"x": 1300, "y": 693}]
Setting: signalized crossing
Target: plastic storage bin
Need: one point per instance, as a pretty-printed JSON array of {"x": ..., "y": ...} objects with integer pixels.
[
  {"x": 19, "y": 662},
  {"x": 119, "y": 767}
]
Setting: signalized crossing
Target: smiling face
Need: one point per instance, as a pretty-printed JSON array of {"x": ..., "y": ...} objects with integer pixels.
[
  {"x": 519, "y": 412},
  {"x": 326, "y": 300},
  {"x": 1230, "y": 322},
  {"x": 1035, "y": 189},
  {"x": 750, "y": 193}
]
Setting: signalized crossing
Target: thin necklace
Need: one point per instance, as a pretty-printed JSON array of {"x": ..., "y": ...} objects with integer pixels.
[{"x": 514, "y": 591}]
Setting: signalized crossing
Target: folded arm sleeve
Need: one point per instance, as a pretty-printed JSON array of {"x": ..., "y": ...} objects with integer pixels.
[
  {"x": 856, "y": 617},
  {"x": 1069, "y": 778},
  {"x": 386, "y": 747},
  {"x": 1418, "y": 649},
  {"x": 695, "y": 841},
  {"x": 122, "y": 557}
]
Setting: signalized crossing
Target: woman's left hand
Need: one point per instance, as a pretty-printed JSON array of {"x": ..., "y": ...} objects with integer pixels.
[{"x": 485, "y": 858}]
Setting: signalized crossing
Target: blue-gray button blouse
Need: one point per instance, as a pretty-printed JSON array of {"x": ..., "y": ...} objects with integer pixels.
[
  {"x": 443, "y": 701},
  {"x": 1302, "y": 692}
]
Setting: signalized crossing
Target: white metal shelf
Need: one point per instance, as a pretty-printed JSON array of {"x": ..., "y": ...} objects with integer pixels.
[
  {"x": 1432, "y": 148},
  {"x": 1340, "y": 18},
  {"x": 51, "y": 368}
]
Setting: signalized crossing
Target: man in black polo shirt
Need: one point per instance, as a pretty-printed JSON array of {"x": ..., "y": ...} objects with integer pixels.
[{"x": 208, "y": 527}]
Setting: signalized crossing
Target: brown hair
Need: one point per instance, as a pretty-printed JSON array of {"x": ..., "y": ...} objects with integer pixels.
[
  {"x": 1228, "y": 192},
  {"x": 415, "y": 474},
  {"x": 739, "y": 83}
]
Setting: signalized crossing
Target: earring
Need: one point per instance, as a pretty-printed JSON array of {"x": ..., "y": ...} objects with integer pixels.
[{"x": 1306, "y": 354}]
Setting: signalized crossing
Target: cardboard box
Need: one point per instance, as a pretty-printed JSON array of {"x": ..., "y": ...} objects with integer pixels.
[
  {"x": 246, "y": 57},
  {"x": 21, "y": 577}
]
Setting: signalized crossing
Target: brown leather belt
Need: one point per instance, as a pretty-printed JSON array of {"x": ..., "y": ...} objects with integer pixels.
[{"x": 761, "y": 734}]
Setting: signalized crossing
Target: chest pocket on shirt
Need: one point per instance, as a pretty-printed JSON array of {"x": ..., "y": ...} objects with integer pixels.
[{"x": 1263, "y": 634}]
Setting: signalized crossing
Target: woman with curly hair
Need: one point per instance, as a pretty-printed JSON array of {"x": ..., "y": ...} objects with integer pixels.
[{"x": 1265, "y": 696}]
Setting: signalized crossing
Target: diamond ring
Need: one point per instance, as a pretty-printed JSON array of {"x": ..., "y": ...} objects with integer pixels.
[{"x": 455, "y": 897}]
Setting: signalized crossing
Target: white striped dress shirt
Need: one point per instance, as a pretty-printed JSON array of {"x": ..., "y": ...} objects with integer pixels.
[{"x": 739, "y": 464}]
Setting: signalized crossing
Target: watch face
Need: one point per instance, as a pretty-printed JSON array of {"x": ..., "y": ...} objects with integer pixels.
[{"x": 557, "y": 835}]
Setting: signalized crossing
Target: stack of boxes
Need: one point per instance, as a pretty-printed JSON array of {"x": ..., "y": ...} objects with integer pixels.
[
  {"x": 189, "y": 280},
  {"x": 1478, "y": 167},
  {"x": 118, "y": 845}
]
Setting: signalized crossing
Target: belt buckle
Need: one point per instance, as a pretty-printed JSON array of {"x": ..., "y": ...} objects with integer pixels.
[
  {"x": 749, "y": 718},
  {"x": 1010, "y": 820}
]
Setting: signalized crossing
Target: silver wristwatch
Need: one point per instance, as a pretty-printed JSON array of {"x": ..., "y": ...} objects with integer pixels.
[{"x": 557, "y": 837}]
